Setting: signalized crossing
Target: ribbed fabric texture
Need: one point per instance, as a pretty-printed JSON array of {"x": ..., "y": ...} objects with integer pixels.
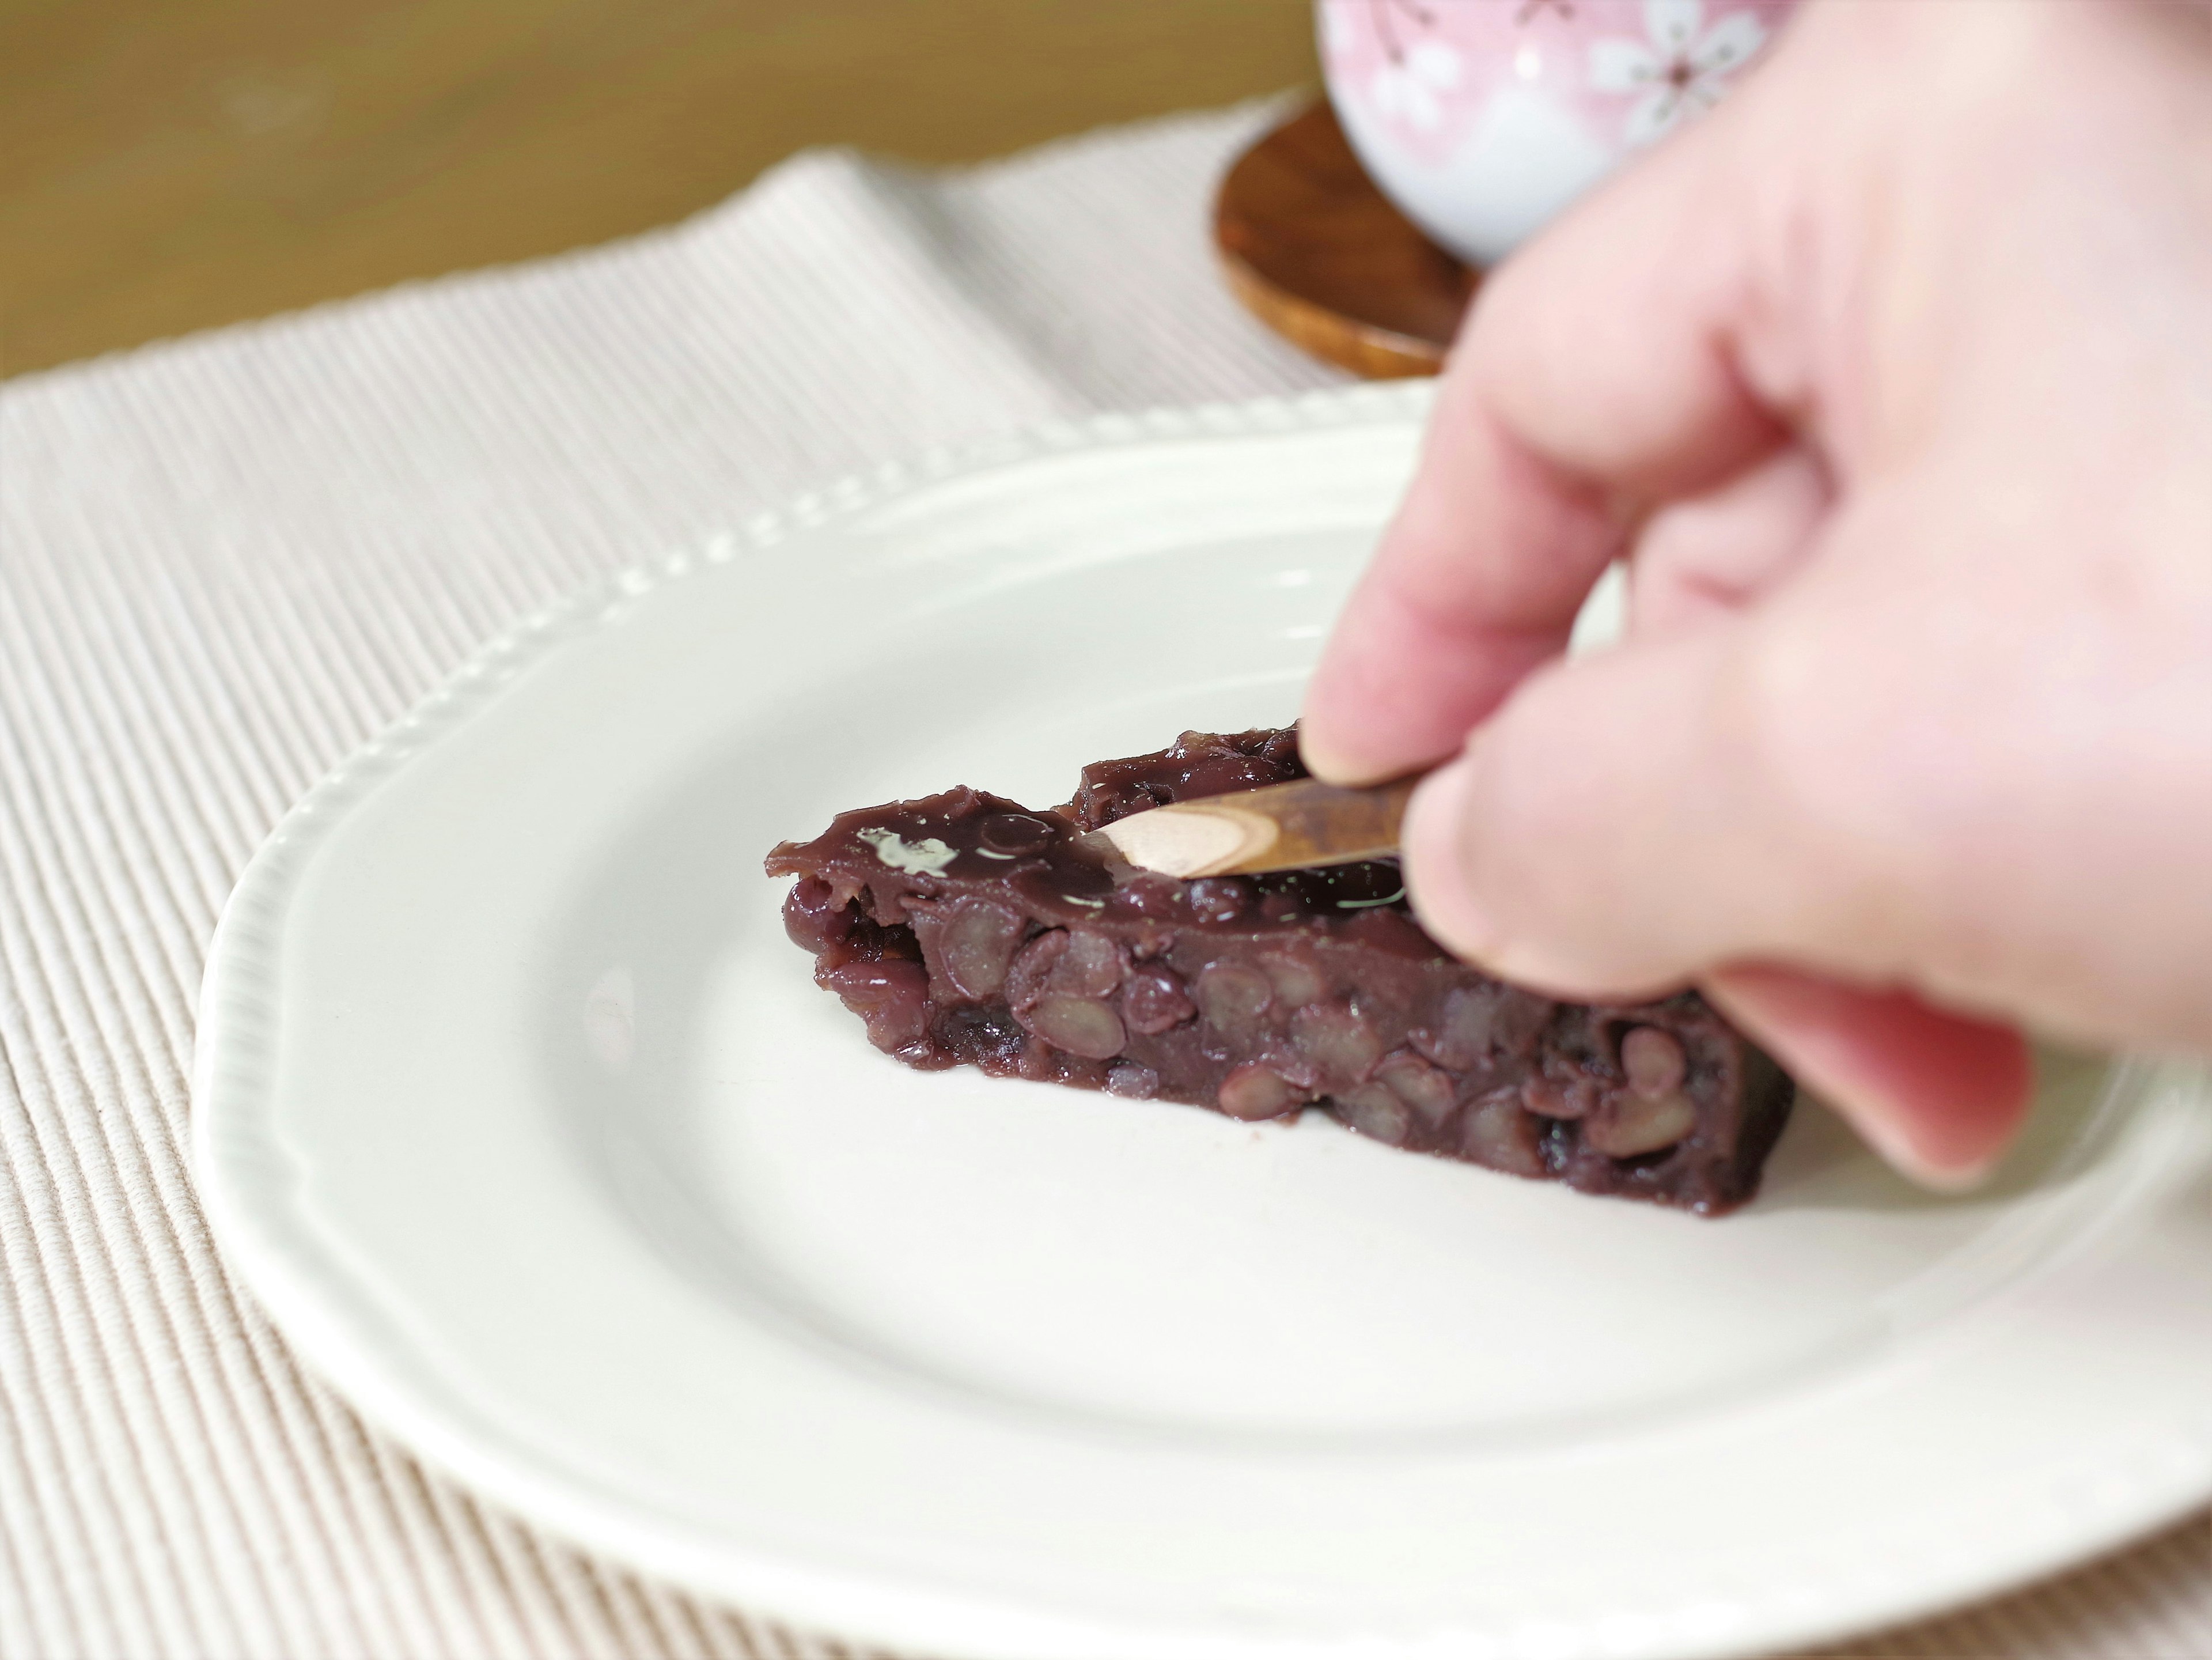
[{"x": 226, "y": 561}]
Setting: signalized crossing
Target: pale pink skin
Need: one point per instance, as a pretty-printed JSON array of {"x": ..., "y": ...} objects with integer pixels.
[
  {"x": 1892, "y": 376},
  {"x": 1625, "y": 68}
]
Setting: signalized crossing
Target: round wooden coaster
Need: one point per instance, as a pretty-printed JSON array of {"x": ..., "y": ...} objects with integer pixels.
[{"x": 1322, "y": 257}]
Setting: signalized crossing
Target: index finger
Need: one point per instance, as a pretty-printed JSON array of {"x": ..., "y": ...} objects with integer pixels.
[
  {"x": 1476, "y": 581},
  {"x": 1596, "y": 376}
]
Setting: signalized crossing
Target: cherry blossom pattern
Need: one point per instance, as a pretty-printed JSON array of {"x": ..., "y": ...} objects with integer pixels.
[
  {"x": 1681, "y": 71},
  {"x": 1410, "y": 89},
  {"x": 1409, "y": 85}
]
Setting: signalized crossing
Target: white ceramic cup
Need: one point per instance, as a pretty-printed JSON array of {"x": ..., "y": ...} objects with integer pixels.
[{"x": 1483, "y": 119}]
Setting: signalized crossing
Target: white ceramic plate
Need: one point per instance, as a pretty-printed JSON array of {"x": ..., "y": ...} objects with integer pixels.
[{"x": 519, "y": 1112}]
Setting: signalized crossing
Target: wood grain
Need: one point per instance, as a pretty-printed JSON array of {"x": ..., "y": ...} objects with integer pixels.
[
  {"x": 1290, "y": 826},
  {"x": 1322, "y": 257},
  {"x": 167, "y": 167}
]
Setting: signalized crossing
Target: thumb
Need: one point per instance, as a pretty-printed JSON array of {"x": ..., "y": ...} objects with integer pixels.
[
  {"x": 1631, "y": 823},
  {"x": 1620, "y": 824}
]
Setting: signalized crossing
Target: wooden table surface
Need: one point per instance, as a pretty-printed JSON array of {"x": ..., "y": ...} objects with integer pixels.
[{"x": 166, "y": 168}]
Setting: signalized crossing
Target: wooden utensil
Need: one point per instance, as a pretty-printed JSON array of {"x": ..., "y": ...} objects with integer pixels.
[{"x": 1282, "y": 827}]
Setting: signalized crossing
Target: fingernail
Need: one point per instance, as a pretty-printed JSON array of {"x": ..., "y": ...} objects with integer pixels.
[{"x": 1437, "y": 879}]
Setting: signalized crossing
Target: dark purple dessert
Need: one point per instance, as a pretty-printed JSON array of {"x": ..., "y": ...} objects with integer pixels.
[{"x": 966, "y": 928}]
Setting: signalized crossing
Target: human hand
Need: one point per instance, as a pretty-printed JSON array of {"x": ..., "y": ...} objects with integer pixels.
[{"x": 1892, "y": 379}]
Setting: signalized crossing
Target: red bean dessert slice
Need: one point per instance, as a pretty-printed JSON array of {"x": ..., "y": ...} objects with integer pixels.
[{"x": 966, "y": 929}]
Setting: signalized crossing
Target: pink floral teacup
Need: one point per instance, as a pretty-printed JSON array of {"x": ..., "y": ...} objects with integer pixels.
[{"x": 1482, "y": 118}]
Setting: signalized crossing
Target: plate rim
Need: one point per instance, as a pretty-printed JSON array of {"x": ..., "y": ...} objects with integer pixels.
[{"x": 235, "y": 1151}]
